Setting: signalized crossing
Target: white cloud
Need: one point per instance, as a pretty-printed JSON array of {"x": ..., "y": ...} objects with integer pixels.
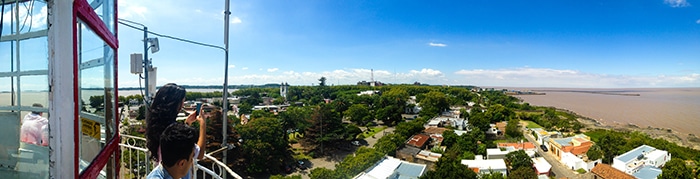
[
  {"x": 244, "y": 68},
  {"x": 35, "y": 19},
  {"x": 677, "y": 3},
  {"x": 272, "y": 69},
  {"x": 232, "y": 66},
  {"x": 344, "y": 76},
  {"x": 427, "y": 72},
  {"x": 544, "y": 77},
  {"x": 698, "y": 21},
  {"x": 131, "y": 9},
  {"x": 236, "y": 20},
  {"x": 437, "y": 44}
]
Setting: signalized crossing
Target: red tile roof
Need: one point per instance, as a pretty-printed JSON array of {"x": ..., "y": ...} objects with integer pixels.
[
  {"x": 606, "y": 171},
  {"x": 418, "y": 140},
  {"x": 582, "y": 149}
]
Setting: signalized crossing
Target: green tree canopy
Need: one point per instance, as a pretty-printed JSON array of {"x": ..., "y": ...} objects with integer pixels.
[
  {"x": 513, "y": 129},
  {"x": 518, "y": 159},
  {"x": 264, "y": 144},
  {"x": 523, "y": 173},
  {"x": 296, "y": 118},
  {"x": 433, "y": 103},
  {"x": 676, "y": 168},
  {"x": 359, "y": 114},
  {"x": 326, "y": 128}
]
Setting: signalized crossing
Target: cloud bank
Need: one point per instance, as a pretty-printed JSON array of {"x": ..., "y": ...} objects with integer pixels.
[
  {"x": 437, "y": 44},
  {"x": 544, "y": 77},
  {"x": 510, "y": 77},
  {"x": 677, "y": 3}
]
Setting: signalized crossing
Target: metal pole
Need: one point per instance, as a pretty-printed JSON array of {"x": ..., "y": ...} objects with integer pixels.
[
  {"x": 146, "y": 67},
  {"x": 227, "y": 13}
]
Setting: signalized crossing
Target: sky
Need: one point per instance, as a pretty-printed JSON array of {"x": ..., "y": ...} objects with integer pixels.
[{"x": 578, "y": 44}]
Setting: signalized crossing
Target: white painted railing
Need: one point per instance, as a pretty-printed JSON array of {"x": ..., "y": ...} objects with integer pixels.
[{"x": 135, "y": 162}]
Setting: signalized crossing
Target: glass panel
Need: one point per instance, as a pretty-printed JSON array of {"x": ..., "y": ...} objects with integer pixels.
[
  {"x": 24, "y": 150},
  {"x": 5, "y": 92},
  {"x": 34, "y": 90},
  {"x": 32, "y": 16},
  {"x": 105, "y": 10},
  {"x": 6, "y": 60},
  {"x": 8, "y": 20},
  {"x": 96, "y": 93},
  {"x": 33, "y": 54}
]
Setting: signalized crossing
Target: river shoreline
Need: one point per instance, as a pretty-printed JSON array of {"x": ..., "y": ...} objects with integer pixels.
[{"x": 681, "y": 139}]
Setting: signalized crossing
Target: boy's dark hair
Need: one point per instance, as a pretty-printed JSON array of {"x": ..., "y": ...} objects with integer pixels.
[
  {"x": 177, "y": 143},
  {"x": 37, "y": 105}
]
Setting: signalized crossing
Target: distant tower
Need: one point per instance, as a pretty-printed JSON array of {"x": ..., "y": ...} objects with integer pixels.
[
  {"x": 284, "y": 87},
  {"x": 371, "y": 83}
]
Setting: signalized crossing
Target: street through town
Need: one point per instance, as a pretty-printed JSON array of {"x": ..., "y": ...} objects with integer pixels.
[{"x": 559, "y": 170}]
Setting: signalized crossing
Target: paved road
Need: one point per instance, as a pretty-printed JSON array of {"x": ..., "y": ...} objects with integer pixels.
[{"x": 559, "y": 169}]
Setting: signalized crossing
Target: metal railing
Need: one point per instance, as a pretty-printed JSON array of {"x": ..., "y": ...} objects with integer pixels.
[{"x": 135, "y": 162}]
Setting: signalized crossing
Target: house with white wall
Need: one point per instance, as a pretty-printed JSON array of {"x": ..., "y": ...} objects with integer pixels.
[
  {"x": 481, "y": 166},
  {"x": 642, "y": 162}
]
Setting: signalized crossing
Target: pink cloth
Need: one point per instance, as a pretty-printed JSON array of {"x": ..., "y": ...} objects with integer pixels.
[{"x": 34, "y": 130}]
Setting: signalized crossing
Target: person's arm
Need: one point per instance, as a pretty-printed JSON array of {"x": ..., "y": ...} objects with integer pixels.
[
  {"x": 202, "y": 137},
  {"x": 201, "y": 142}
]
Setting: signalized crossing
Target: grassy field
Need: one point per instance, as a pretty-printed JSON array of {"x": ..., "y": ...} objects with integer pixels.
[
  {"x": 531, "y": 124},
  {"x": 372, "y": 131}
]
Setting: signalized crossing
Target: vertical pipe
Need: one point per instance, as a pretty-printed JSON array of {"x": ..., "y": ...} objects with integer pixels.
[
  {"x": 227, "y": 13},
  {"x": 146, "y": 66}
]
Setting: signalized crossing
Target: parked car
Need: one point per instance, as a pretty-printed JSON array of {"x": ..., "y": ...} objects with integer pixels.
[{"x": 544, "y": 147}]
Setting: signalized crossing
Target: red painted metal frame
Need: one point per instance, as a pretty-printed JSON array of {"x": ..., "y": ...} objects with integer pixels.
[
  {"x": 83, "y": 11},
  {"x": 76, "y": 141}
]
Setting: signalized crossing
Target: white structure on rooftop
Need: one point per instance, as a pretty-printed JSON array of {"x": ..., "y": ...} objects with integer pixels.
[
  {"x": 393, "y": 168},
  {"x": 481, "y": 166},
  {"x": 642, "y": 162}
]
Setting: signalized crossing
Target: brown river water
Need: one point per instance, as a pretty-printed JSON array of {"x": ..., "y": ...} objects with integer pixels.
[{"x": 674, "y": 108}]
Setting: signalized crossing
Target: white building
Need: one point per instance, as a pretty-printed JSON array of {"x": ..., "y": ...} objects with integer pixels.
[
  {"x": 481, "y": 166},
  {"x": 642, "y": 162},
  {"x": 392, "y": 168},
  {"x": 543, "y": 136}
]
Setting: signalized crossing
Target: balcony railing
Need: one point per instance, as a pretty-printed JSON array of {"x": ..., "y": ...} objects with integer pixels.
[{"x": 135, "y": 162}]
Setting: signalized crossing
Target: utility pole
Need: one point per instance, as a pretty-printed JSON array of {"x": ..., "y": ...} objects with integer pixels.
[
  {"x": 227, "y": 13},
  {"x": 146, "y": 68}
]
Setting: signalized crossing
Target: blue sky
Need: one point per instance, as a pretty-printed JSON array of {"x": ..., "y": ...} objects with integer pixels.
[{"x": 592, "y": 44}]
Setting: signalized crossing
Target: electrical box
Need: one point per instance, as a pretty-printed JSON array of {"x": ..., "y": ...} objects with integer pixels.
[
  {"x": 136, "y": 63},
  {"x": 152, "y": 76}
]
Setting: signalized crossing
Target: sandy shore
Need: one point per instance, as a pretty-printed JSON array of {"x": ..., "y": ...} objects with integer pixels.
[{"x": 682, "y": 139}]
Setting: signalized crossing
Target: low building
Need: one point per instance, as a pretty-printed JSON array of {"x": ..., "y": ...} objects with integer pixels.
[
  {"x": 605, "y": 171},
  {"x": 577, "y": 145},
  {"x": 442, "y": 121},
  {"x": 392, "y": 168},
  {"x": 407, "y": 153},
  {"x": 419, "y": 141},
  {"x": 527, "y": 146},
  {"x": 543, "y": 136},
  {"x": 571, "y": 151},
  {"x": 368, "y": 92},
  {"x": 642, "y": 162},
  {"x": 542, "y": 167},
  {"x": 481, "y": 166},
  {"x": 501, "y": 152},
  {"x": 497, "y": 153},
  {"x": 427, "y": 157}
]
